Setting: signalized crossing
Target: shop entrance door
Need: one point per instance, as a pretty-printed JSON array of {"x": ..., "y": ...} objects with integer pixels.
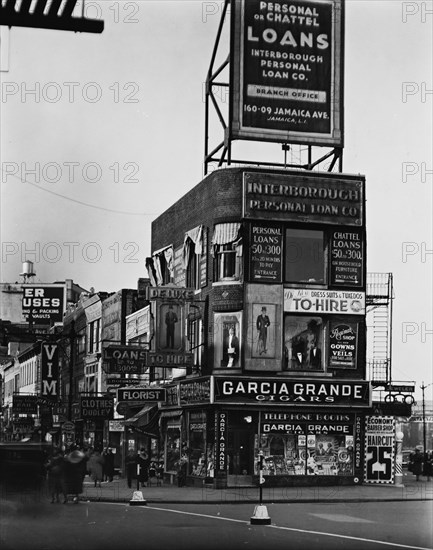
[{"x": 241, "y": 451}]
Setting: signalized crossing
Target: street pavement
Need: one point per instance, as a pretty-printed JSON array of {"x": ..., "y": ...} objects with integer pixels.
[{"x": 118, "y": 491}]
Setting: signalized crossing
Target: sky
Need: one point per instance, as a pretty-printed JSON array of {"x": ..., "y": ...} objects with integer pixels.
[{"x": 101, "y": 133}]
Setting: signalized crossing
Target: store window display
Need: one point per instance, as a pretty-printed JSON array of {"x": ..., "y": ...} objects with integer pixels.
[{"x": 294, "y": 455}]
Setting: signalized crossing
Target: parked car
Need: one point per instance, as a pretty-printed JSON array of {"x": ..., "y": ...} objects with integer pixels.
[{"x": 406, "y": 458}]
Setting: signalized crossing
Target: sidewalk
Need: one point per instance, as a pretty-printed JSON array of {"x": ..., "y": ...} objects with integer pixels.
[{"x": 118, "y": 491}]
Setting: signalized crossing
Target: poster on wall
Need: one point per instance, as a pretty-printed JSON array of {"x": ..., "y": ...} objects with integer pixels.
[
  {"x": 347, "y": 258},
  {"x": 263, "y": 321},
  {"x": 287, "y": 79},
  {"x": 227, "y": 339},
  {"x": 343, "y": 345},
  {"x": 170, "y": 327},
  {"x": 379, "y": 449}
]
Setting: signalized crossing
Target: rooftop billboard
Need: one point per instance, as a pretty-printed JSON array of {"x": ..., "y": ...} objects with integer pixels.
[{"x": 287, "y": 71}]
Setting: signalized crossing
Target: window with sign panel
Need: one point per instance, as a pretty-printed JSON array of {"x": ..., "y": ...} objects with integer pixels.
[{"x": 304, "y": 256}]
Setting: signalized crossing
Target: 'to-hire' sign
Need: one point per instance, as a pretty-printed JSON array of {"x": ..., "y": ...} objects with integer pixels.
[{"x": 141, "y": 394}]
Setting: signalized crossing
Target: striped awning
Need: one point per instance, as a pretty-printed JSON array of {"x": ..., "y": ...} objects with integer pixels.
[{"x": 225, "y": 233}]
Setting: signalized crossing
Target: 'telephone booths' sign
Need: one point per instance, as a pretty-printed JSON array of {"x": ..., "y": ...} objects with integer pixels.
[
  {"x": 43, "y": 304},
  {"x": 287, "y": 60},
  {"x": 379, "y": 449}
]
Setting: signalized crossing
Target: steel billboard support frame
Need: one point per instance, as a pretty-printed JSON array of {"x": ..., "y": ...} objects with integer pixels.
[{"x": 225, "y": 146}]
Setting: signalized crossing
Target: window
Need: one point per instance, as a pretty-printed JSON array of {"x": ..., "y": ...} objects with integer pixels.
[
  {"x": 93, "y": 337},
  {"x": 195, "y": 338},
  {"x": 304, "y": 258},
  {"x": 194, "y": 247},
  {"x": 227, "y": 263},
  {"x": 227, "y": 252},
  {"x": 193, "y": 269},
  {"x": 303, "y": 343}
]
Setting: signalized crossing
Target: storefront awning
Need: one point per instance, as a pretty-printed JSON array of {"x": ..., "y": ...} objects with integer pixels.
[
  {"x": 170, "y": 414},
  {"x": 142, "y": 417}
]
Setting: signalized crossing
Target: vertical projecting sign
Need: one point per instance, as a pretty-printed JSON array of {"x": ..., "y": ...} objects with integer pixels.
[
  {"x": 379, "y": 449},
  {"x": 287, "y": 60},
  {"x": 49, "y": 371}
]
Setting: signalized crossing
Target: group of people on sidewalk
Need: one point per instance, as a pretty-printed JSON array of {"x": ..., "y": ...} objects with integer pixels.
[
  {"x": 141, "y": 468},
  {"x": 66, "y": 471},
  {"x": 421, "y": 464}
]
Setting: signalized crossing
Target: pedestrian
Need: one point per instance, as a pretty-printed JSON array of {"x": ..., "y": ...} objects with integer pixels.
[
  {"x": 416, "y": 460},
  {"x": 108, "y": 456},
  {"x": 428, "y": 465},
  {"x": 75, "y": 470},
  {"x": 131, "y": 466},
  {"x": 56, "y": 471},
  {"x": 95, "y": 467},
  {"x": 143, "y": 467}
]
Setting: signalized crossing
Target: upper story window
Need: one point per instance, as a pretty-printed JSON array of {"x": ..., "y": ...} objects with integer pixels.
[
  {"x": 161, "y": 266},
  {"x": 94, "y": 336},
  {"x": 227, "y": 251},
  {"x": 192, "y": 253},
  {"x": 304, "y": 256}
]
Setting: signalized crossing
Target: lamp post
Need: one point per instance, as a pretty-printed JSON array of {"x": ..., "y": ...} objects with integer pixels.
[
  {"x": 72, "y": 335},
  {"x": 424, "y": 437}
]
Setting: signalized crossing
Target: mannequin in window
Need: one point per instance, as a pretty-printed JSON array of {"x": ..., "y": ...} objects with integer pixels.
[
  {"x": 315, "y": 356},
  {"x": 232, "y": 348}
]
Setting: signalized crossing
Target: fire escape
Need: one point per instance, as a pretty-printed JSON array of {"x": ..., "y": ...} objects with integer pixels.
[{"x": 380, "y": 293}]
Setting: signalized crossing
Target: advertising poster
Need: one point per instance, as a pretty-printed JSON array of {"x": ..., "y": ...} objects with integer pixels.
[
  {"x": 227, "y": 339},
  {"x": 379, "y": 449},
  {"x": 170, "y": 327},
  {"x": 263, "y": 321},
  {"x": 43, "y": 304},
  {"x": 305, "y": 300},
  {"x": 347, "y": 258},
  {"x": 343, "y": 344},
  {"x": 287, "y": 60}
]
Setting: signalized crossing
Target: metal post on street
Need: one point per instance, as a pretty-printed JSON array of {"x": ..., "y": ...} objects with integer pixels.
[
  {"x": 72, "y": 336},
  {"x": 260, "y": 516},
  {"x": 137, "y": 497}
]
